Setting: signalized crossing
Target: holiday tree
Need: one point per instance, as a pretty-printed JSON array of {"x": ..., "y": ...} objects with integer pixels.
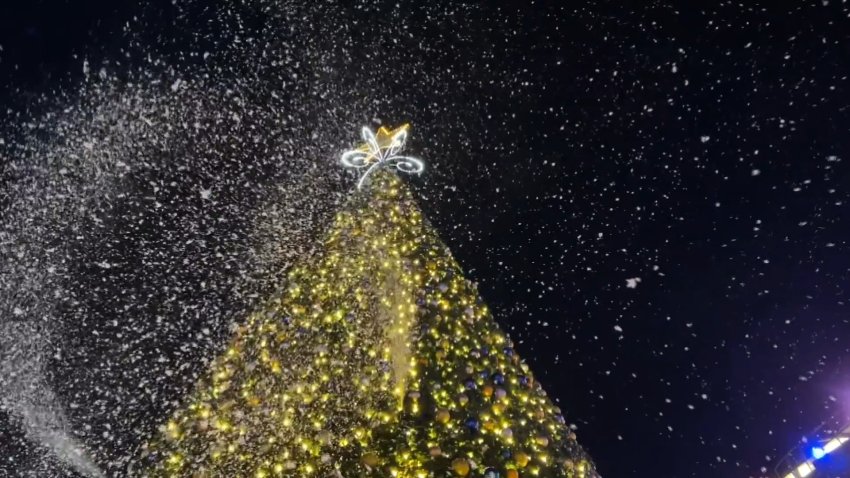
[{"x": 379, "y": 360}]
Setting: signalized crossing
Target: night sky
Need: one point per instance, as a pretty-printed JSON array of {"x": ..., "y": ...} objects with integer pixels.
[{"x": 652, "y": 198}]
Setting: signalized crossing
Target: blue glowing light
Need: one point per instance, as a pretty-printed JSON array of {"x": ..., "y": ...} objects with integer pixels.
[{"x": 818, "y": 453}]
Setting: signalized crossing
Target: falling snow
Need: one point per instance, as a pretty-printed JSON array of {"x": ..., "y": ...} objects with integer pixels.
[{"x": 676, "y": 173}]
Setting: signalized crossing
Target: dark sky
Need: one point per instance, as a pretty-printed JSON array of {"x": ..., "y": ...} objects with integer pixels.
[{"x": 698, "y": 154}]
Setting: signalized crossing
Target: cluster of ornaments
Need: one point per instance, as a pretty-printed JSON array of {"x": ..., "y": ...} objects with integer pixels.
[{"x": 311, "y": 387}]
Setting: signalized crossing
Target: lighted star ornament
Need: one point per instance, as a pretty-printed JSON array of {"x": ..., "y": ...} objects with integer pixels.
[{"x": 380, "y": 150}]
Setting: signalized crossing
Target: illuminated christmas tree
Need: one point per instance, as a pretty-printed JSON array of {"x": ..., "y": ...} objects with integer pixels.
[{"x": 379, "y": 360}]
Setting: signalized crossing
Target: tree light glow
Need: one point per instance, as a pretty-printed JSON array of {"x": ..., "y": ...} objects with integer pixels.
[
  {"x": 379, "y": 150},
  {"x": 378, "y": 360}
]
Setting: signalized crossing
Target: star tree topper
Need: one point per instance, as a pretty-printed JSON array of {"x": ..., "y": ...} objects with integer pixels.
[{"x": 379, "y": 150}]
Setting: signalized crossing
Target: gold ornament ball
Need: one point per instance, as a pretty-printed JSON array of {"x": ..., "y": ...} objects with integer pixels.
[
  {"x": 443, "y": 416},
  {"x": 488, "y": 391},
  {"x": 511, "y": 474},
  {"x": 542, "y": 440},
  {"x": 371, "y": 459},
  {"x": 521, "y": 459},
  {"x": 460, "y": 466}
]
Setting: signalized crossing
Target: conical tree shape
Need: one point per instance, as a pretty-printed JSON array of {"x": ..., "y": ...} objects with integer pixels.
[{"x": 380, "y": 360}]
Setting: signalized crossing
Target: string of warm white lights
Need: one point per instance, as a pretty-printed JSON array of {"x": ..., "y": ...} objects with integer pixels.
[
  {"x": 827, "y": 446},
  {"x": 381, "y": 150}
]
